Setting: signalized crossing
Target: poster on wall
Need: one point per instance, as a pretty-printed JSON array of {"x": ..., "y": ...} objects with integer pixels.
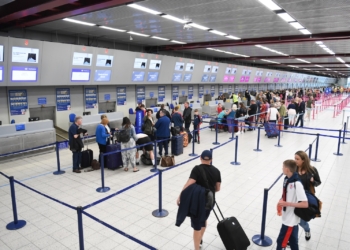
[
  {"x": 221, "y": 89},
  {"x": 104, "y": 61},
  {"x": 63, "y": 99},
  {"x": 213, "y": 78},
  {"x": 190, "y": 92},
  {"x": 161, "y": 93},
  {"x": 18, "y": 102},
  {"x": 140, "y": 94},
  {"x": 200, "y": 91},
  {"x": 175, "y": 92},
  {"x": 90, "y": 98},
  {"x": 205, "y": 78},
  {"x": 229, "y": 89},
  {"x": 212, "y": 90},
  {"x": 121, "y": 96},
  {"x": 82, "y": 59},
  {"x": 177, "y": 77},
  {"x": 25, "y": 55}
]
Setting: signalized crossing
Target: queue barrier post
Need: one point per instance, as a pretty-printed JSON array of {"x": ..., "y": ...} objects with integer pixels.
[
  {"x": 335, "y": 107},
  {"x": 344, "y": 133},
  {"x": 160, "y": 212},
  {"x": 339, "y": 141},
  {"x": 279, "y": 140},
  {"x": 316, "y": 150},
  {"x": 233, "y": 129},
  {"x": 261, "y": 239},
  {"x": 102, "y": 189},
  {"x": 193, "y": 142},
  {"x": 310, "y": 151},
  {"x": 59, "y": 171},
  {"x": 80, "y": 227},
  {"x": 216, "y": 132},
  {"x": 16, "y": 224},
  {"x": 155, "y": 169},
  {"x": 258, "y": 141},
  {"x": 211, "y": 150},
  {"x": 236, "y": 149},
  {"x": 347, "y": 123}
]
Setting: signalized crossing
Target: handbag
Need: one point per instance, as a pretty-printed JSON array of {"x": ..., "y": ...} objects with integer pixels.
[
  {"x": 167, "y": 161},
  {"x": 209, "y": 195}
]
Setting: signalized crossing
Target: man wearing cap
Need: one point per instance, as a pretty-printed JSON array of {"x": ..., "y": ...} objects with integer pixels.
[{"x": 214, "y": 182}]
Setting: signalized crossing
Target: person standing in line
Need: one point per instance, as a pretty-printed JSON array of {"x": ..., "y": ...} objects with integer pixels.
[
  {"x": 129, "y": 155},
  {"x": 177, "y": 119},
  {"x": 300, "y": 112},
  {"x": 235, "y": 99},
  {"x": 292, "y": 107},
  {"x": 252, "y": 110},
  {"x": 310, "y": 179},
  {"x": 273, "y": 115},
  {"x": 75, "y": 142},
  {"x": 163, "y": 132},
  {"x": 148, "y": 124},
  {"x": 187, "y": 115},
  {"x": 197, "y": 121},
  {"x": 213, "y": 176},
  {"x": 309, "y": 107},
  {"x": 102, "y": 137},
  {"x": 162, "y": 107},
  {"x": 240, "y": 115},
  {"x": 219, "y": 108},
  {"x": 293, "y": 196}
]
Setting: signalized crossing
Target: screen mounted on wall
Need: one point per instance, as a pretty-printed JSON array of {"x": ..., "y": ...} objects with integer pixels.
[
  {"x": 155, "y": 64},
  {"x": 189, "y": 67},
  {"x": 179, "y": 66},
  {"x": 80, "y": 75},
  {"x": 24, "y": 74},
  {"x": 1, "y": 53},
  {"x": 25, "y": 55},
  {"x": 102, "y": 75},
  {"x": 104, "y": 61},
  {"x": 82, "y": 59},
  {"x": 1, "y": 73},
  {"x": 140, "y": 63}
]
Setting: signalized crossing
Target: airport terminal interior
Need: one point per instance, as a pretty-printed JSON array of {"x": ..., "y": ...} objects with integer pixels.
[{"x": 254, "y": 83}]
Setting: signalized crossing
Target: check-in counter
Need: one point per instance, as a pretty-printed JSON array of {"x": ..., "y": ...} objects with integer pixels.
[
  {"x": 210, "y": 107},
  {"x": 91, "y": 122},
  {"x": 228, "y": 104},
  {"x": 27, "y": 135}
]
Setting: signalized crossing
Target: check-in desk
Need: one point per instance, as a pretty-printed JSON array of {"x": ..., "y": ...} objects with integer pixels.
[
  {"x": 91, "y": 122},
  {"x": 26, "y": 135},
  {"x": 210, "y": 107}
]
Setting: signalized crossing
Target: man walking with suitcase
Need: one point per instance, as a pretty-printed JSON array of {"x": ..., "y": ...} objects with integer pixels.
[{"x": 212, "y": 182}]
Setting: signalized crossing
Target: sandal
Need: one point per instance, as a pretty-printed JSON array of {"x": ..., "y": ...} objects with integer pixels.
[
  {"x": 136, "y": 170},
  {"x": 126, "y": 169}
]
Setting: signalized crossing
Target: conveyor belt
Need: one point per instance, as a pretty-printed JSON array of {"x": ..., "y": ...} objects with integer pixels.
[{"x": 61, "y": 135}]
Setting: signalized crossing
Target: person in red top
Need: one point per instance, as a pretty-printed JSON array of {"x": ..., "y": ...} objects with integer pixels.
[{"x": 219, "y": 108}]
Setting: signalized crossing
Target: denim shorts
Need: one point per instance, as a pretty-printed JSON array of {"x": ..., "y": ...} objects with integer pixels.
[{"x": 196, "y": 224}]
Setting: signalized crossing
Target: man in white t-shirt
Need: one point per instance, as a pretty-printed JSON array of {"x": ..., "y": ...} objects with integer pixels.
[
  {"x": 293, "y": 197},
  {"x": 273, "y": 114}
]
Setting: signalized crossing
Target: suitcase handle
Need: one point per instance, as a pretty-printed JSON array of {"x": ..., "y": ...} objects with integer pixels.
[{"x": 219, "y": 211}]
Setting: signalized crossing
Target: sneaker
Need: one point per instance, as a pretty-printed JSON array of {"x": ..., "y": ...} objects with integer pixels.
[
  {"x": 77, "y": 171},
  {"x": 307, "y": 235}
]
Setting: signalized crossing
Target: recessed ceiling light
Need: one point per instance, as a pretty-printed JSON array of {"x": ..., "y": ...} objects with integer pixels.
[
  {"x": 340, "y": 60},
  {"x": 286, "y": 17},
  {"x": 319, "y": 42},
  {"x": 137, "y": 34},
  {"x": 210, "y": 49},
  {"x": 270, "y": 4},
  {"x": 160, "y": 38},
  {"x": 305, "y": 31},
  {"x": 109, "y": 28},
  {"x": 218, "y": 32},
  {"x": 233, "y": 37},
  {"x": 174, "y": 41},
  {"x": 175, "y": 19},
  {"x": 78, "y": 22},
  {"x": 302, "y": 60},
  {"x": 139, "y": 7},
  {"x": 270, "y": 61},
  {"x": 292, "y": 66},
  {"x": 198, "y": 26},
  {"x": 297, "y": 25}
]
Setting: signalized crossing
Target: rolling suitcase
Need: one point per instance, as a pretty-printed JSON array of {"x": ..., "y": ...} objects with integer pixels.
[
  {"x": 235, "y": 122},
  {"x": 271, "y": 129},
  {"x": 86, "y": 157},
  {"x": 177, "y": 145},
  {"x": 231, "y": 233},
  {"x": 212, "y": 124},
  {"x": 113, "y": 161},
  {"x": 286, "y": 122}
]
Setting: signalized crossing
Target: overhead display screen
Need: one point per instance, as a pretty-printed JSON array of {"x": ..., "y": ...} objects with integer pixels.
[
  {"x": 138, "y": 76},
  {"x": 102, "y": 75},
  {"x": 82, "y": 59},
  {"x": 80, "y": 75},
  {"x": 104, "y": 61},
  {"x": 189, "y": 67},
  {"x": 25, "y": 55},
  {"x": 24, "y": 74},
  {"x": 207, "y": 68},
  {"x": 152, "y": 77},
  {"x": 140, "y": 63},
  {"x": 155, "y": 64},
  {"x": 1, "y": 53},
  {"x": 215, "y": 69},
  {"x": 179, "y": 66},
  {"x": 1, "y": 73}
]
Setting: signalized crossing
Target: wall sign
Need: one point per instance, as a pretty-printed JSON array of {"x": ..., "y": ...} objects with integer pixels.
[
  {"x": 190, "y": 92},
  {"x": 18, "y": 102},
  {"x": 161, "y": 93},
  {"x": 63, "y": 99},
  {"x": 187, "y": 77},
  {"x": 90, "y": 98},
  {"x": 221, "y": 89},
  {"x": 42, "y": 101},
  {"x": 140, "y": 94},
  {"x": 177, "y": 77},
  {"x": 230, "y": 89},
  {"x": 213, "y": 78},
  {"x": 175, "y": 92},
  {"x": 107, "y": 97},
  {"x": 212, "y": 90},
  {"x": 200, "y": 91},
  {"x": 121, "y": 96},
  {"x": 205, "y": 78}
]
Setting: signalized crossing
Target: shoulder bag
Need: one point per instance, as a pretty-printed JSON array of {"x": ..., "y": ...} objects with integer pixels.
[{"x": 209, "y": 195}]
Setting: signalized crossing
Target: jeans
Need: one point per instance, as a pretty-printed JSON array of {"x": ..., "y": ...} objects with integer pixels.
[
  {"x": 164, "y": 143},
  {"x": 304, "y": 225},
  {"x": 288, "y": 234},
  {"x": 301, "y": 119},
  {"x": 187, "y": 125},
  {"x": 76, "y": 160}
]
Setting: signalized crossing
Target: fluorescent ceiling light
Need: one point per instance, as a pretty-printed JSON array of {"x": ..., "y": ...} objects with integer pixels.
[
  {"x": 307, "y": 69},
  {"x": 198, "y": 26},
  {"x": 327, "y": 69},
  {"x": 270, "y": 4},
  {"x": 297, "y": 25},
  {"x": 347, "y": 65},
  {"x": 210, "y": 49},
  {"x": 160, "y": 38},
  {"x": 259, "y": 46},
  {"x": 292, "y": 66},
  {"x": 323, "y": 46},
  {"x": 286, "y": 17},
  {"x": 218, "y": 32},
  {"x": 319, "y": 66},
  {"x": 174, "y": 41},
  {"x": 138, "y": 34},
  {"x": 221, "y": 51},
  {"x": 270, "y": 61},
  {"x": 340, "y": 60},
  {"x": 302, "y": 60},
  {"x": 139, "y": 7},
  {"x": 109, "y": 28},
  {"x": 78, "y": 22},
  {"x": 305, "y": 32},
  {"x": 319, "y": 42},
  {"x": 174, "y": 19},
  {"x": 233, "y": 37}
]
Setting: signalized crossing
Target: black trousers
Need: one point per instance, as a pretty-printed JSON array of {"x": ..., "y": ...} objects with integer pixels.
[
  {"x": 187, "y": 125},
  {"x": 103, "y": 149},
  {"x": 301, "y": 119}
]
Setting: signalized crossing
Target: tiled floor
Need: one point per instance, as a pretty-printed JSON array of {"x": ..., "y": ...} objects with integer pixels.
[{"x": 51, "y": 225}]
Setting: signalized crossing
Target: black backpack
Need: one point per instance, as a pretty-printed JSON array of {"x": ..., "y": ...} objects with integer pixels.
[
  {"x": 146, "y": 159},
  {"x": 123, "y": 135}
]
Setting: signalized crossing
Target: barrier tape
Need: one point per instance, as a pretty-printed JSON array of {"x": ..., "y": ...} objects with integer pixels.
[
  {"x": 273, "y": 184},
  {"x": 4, "y": 175},
  {"x": 58, "y": 201},
  {"x": 119, "y": 231}
]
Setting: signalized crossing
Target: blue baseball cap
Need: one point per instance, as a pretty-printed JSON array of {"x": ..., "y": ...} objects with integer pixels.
[{"x": 206, "y": 155}]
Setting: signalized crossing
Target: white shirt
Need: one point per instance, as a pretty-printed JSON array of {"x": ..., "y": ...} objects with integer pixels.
[
  {"x": 295, "y": 193},
  {"x": 273, "y": 114}
]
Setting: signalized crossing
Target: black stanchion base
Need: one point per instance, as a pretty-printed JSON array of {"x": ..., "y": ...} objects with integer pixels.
[
  {"x": 316, "y": 160},
  {"x": 235, "y": 163},
  {"x": 18, "y": 225},
  {"x": 257, "y": 150},
  {"x": 59, "y": 172},
  {"x": 338, "y": 154},
  {"x": 153, "y": 170},
  {"x": 279, "y": 146},
  {"x": 192, "y": 155},
  {"x": 267, "y": 241},
  {"x": 343, "y": 143},
  {"x": 216, "y": 143},
  {"x": 103, "y": 189},
  {"x": 159, "y": 214}
]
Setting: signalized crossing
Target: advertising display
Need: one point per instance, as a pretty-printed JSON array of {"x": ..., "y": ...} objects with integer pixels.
[
  {"x": 155, "y": 64},
  {"x": 152, "y": 76},
  {"x": 213, "y": 78},
  {"x": 190, "y": 91},
  {"x": 1, "y": 53},
  {"x": 140, "y": 63},
  {"x": 107, "y": 97},
  {"x": 200, "y": 91},
  {"x": 42, "y": 101},
  {"x": 179, "y": 66},
  {"x": 25, "y": 55},
  {"x": 102, "y": 75},
  {"x": 177, "y": 77},
  {"x": 175, "y": 92},
  {"x": 229, "y": 89},
  {"x": 24, "y": 74},
  {"x": 121, "y": 96},
  {"x": 82, "y": 59},
  {"x": 161, "y": 93},
  {"x": 140, "y": 94},
  {"x": 187, "y": 77},
  {"x": 63, "y": 99},
  {"x": 205, "y": 78},
  {"x": 1, "y": 73},
  {"x": 139, "y": 121},
  {"x": 18, "y": 102},
  {"x": 90, "y": 98},
  {"x": 189, "y": 67},
  {"x": 104, "y": 61},
  {"x": 138, "y": 76},
  {"x": 80, "y": 75},
  {"x": 221, "y": 89}
]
